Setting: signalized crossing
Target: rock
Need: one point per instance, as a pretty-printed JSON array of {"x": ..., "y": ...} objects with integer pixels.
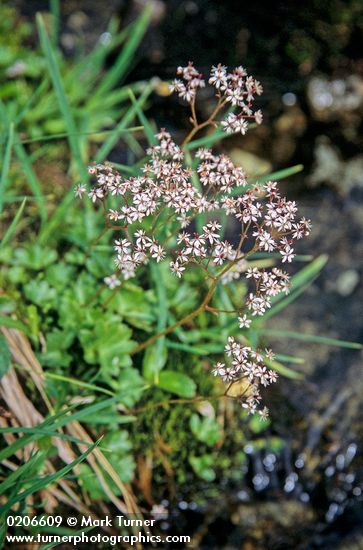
[
  {"x": 330, "y": 168},
  {"x": 347, "y": 282},
  {"x": 252, "y": 164},
  {"x": 331, "y": 98}
]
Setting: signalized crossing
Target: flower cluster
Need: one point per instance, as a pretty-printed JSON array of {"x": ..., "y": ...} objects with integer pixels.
[
  {"x": 155, "y": 213},
  {"x": 192, "y": 81},
  {"x": 235, "y": 90},
  {"x": 248, "y": 364}
]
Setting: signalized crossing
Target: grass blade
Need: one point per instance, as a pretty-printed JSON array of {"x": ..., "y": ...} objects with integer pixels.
[
  {"x": 55, "y": 11},
  {"x": 54, "y": 72},
  {"x": 126, "y": 57},
  {"x": 51, "y": 424},
  {"x": 289, "y": 359},
  {"x": 20, "y": 471},
  {"x": 61, "y": 135},
  {"x": 122, "y": 125},
  {"x": 6, "y": 164},
  {"x": 32, "y": 179},
  {"x": 284, "y": 302},
  {"x": 207, "y": 141},
  {"x": 149, "y": 132},
  {"x": 42, "y": 432},
  {"x": 32, "y": 99},
  {"x": 47, "y": 480},
  {"x": 283, "y": 370},
  {"x": 78, "y": 383},
  {"x": 325, "y": 340},
  {"x": 203, "y": 349},
  {"x": 280, "y": 174},
  {"x": 300, "y": 282},
  {"x": 310, "y": 271},
  {"x": 12, "y": 227},
  {"x": 274, "y": 176},
  {"x": 57, "y": 218}
]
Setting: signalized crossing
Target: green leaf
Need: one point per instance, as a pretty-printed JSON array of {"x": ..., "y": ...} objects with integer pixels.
[
  {"x": 257, "y": 425},
  {"x": 156, "y": 355},
  {"x": 178, "y": 383},
  {"x": 205, "y": 429},
  {"x": 134, "y": 305},
  {"x": 40, "y": 293},
  {"x": 90, "y": 483},
  {"x": 4, "y": 356},
  {"x": 154, "y": 360},
  {"x": 202, "y": 466},
  {"x": 108, "y": 344},
  {"x": 129, "y": 386},
  {"x": 117, "y": 442},
  {"x": 60, "y": 275},
  {"x": 35, "y": 257}
]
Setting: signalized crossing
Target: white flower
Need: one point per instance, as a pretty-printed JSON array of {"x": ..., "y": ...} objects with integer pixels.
[
  {"x": 158, "y": 253},
  {"x": 264, "y": 414},
  {"x": 177, "y": 269},
  {"x": 113, "y": 215},
  {"x": 266, "y": 242},
  {"x": 244, "y": 322},
  {"x": 112, "y": 281},
  {"x": 218, "y": 76},
  {"x": 258, "y": 117},
  {"x": 287, "y": 254},
  {"x": 123, "y": 246},
  {"x": 80, "y": 190},
  {"x": 219, "y": 369},
  {"x": 95, "y": 194}
]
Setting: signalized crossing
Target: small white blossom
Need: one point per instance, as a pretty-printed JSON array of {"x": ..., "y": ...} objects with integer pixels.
[
  {"x": 80, "y": 190},
  {"x": 244, "y": 322},
  {"x": 112, "y": 281}
]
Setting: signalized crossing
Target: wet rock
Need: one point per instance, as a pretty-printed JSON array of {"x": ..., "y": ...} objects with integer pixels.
[
  {"x": 279, "y": 518},
  {"x": 252, "y": 164},
  {"x": 330, "y": 168},
  {"x": 329, "y": 98},
  {"x": 347, "y": 282}
]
